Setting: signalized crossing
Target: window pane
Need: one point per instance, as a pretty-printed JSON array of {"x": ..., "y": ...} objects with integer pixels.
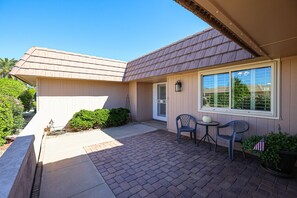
[
  {"x": 251, "y": 89},
  {"x": 161, "y": 92},
  {"x": 215, "y": 90},
  {"x": 162, "y": 109}
]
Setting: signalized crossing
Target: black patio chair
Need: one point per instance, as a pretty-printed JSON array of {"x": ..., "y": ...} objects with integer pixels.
[
  {"x": 238, "y": 127},
  {"x": 187, "y": 124}
]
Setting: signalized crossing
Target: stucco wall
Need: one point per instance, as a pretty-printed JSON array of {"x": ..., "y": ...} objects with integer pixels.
[
  {"x": 61, "y": 98},
  {"x": 187, "y": 102}
]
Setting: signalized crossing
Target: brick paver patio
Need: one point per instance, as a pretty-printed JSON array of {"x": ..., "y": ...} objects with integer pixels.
[{"x": 154, "y": 165}]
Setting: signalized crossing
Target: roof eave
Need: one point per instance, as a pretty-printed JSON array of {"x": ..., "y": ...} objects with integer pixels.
[{"x": 218, "y": 20}]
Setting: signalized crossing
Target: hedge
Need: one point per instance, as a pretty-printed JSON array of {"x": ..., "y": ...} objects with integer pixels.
[
  {"x": 27, "y": 98},
  {"x": 17, "y": 112},
  {"x": 118, "y": 117},
  {"x": 6, "y": 119},
  {"x": 10, "y": 87},
  {"x": 100, "y": 118},
  {"x": 82, "y": 120}
]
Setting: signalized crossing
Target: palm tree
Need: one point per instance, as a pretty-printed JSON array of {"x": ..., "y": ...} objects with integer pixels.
[{"x": 5, "y": 66}]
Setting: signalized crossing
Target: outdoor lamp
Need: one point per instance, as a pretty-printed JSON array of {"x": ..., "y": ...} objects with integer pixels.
[{"x": 178, "y": 86}]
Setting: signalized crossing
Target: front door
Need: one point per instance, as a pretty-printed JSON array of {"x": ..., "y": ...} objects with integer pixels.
[{"x": 160, "y": 100}]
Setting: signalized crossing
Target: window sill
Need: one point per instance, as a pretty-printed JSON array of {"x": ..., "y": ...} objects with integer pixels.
[{"x": 240, "y": 113}]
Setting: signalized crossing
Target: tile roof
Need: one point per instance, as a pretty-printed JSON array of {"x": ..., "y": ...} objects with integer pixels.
[
  {"x": 206, "y": 48},
  {"x": 54, "y": 63}
]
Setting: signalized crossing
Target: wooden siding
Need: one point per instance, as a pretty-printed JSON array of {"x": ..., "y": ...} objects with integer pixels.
[
  {"x": 144, "y": 101},
  {"x": 61, "y": 98},
  {"x": 141, "y": 100},
  {"x": 187, "y": 102},
  {"x": 133, "y": 99}
]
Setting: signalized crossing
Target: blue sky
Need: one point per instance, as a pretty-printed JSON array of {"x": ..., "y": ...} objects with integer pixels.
[{"x": 116, "y": 29}]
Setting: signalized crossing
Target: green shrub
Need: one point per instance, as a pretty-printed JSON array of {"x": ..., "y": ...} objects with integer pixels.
[
  {"x": 10, "y": 87},
  {"x": 27, "y": 98},
  {"x": 34, "y": 106},
  {"x": 118, "y": 117},
  {"x": 82, "y": 120},
  {"x": 6, "y": 119},
  {"x": 101, "y": 118},
  {"x": 17, "y": 111}
]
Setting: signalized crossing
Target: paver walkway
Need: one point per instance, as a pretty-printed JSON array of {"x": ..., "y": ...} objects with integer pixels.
[
  {"x": 67, "y": 169},
  {"x": 154, "y": 165}
]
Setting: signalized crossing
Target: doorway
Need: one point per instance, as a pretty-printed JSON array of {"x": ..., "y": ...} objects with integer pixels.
[{"x": 160, "y": 101}]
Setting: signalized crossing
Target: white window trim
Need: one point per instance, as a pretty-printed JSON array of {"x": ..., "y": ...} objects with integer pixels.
[{"x": 275, "y": 91}]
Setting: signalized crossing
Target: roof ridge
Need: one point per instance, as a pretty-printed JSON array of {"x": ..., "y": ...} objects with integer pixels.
[
  {"x": 174, "y": 43},
  {"x": 77, "y": 54}
]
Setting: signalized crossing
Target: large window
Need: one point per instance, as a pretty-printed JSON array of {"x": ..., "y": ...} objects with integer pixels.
[
  {"x": 216, "y": 90},
  {"x": 249, "y": 90}
]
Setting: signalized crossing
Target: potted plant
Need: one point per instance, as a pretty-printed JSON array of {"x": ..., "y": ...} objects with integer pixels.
[{"x": 279, "y": 154}]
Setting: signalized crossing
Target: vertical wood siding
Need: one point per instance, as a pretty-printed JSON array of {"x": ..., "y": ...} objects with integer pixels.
[
  {"x": 61, "y": 98},
  {"x": 144, "y": 101},
  {"x": 141, "y": 100},
  {"x": 133, "y": 99},
  {"x": 187, "y": 102}
]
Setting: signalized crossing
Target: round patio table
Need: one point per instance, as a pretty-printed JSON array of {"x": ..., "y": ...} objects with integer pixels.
[{"x": 207, "y": 124}]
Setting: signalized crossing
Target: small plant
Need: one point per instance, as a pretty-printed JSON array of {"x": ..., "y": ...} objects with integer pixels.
[
  {"x": 17, "y": 111},
  {"x": 82, "y": 120},
  {"x": 275, "y": 143},
  {"x": 118, "y": 117},
  {"x": 101, "y": 118},
  {"x": 27, "y": 98}
]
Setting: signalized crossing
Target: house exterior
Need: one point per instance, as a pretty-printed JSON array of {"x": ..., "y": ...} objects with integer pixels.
[
  {"x": 245, "y": 67},
  {"x": 68, "y": 82},
  {"x": 226, "y": 72}
]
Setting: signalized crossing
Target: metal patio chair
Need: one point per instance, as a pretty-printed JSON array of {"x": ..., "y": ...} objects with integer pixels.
[
  {"x": 186, "y": 123},
  {"x": 238, "y": 127}
]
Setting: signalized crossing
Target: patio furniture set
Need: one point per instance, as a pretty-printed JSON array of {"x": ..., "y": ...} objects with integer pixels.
[{"x": 188, "y": 123}]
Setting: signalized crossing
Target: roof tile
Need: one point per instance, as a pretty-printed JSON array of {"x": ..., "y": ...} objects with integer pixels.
[
  {"x": 206, "y": 48},
  {"x": 203, "y": 49},
  {"x": 229, "y": 57}
]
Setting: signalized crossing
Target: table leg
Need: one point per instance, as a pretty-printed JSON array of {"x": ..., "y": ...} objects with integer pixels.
[
  {"x": 212, "y": 139},
  {"x": 209, "y": 142},
  {"x": 201, "y": 140},
  {"x": 206, "y": 136}
]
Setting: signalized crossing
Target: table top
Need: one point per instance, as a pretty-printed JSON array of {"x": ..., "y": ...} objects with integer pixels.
[{"x": 213, "y": 123}]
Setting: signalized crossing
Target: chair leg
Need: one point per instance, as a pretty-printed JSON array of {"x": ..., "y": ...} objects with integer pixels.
[
  {"x": 191, "y": 135},
  {"x": 195, "y": 139},
  {"x": 216, "y": 145},
  {"x": 230, "y": 150},
  {"x": 178, "y": 137}
]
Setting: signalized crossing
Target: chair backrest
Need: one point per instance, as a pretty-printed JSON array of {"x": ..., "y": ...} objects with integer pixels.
[
  {"x": 185, "y": 120},
  {"x": 239, "y": 126}
]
